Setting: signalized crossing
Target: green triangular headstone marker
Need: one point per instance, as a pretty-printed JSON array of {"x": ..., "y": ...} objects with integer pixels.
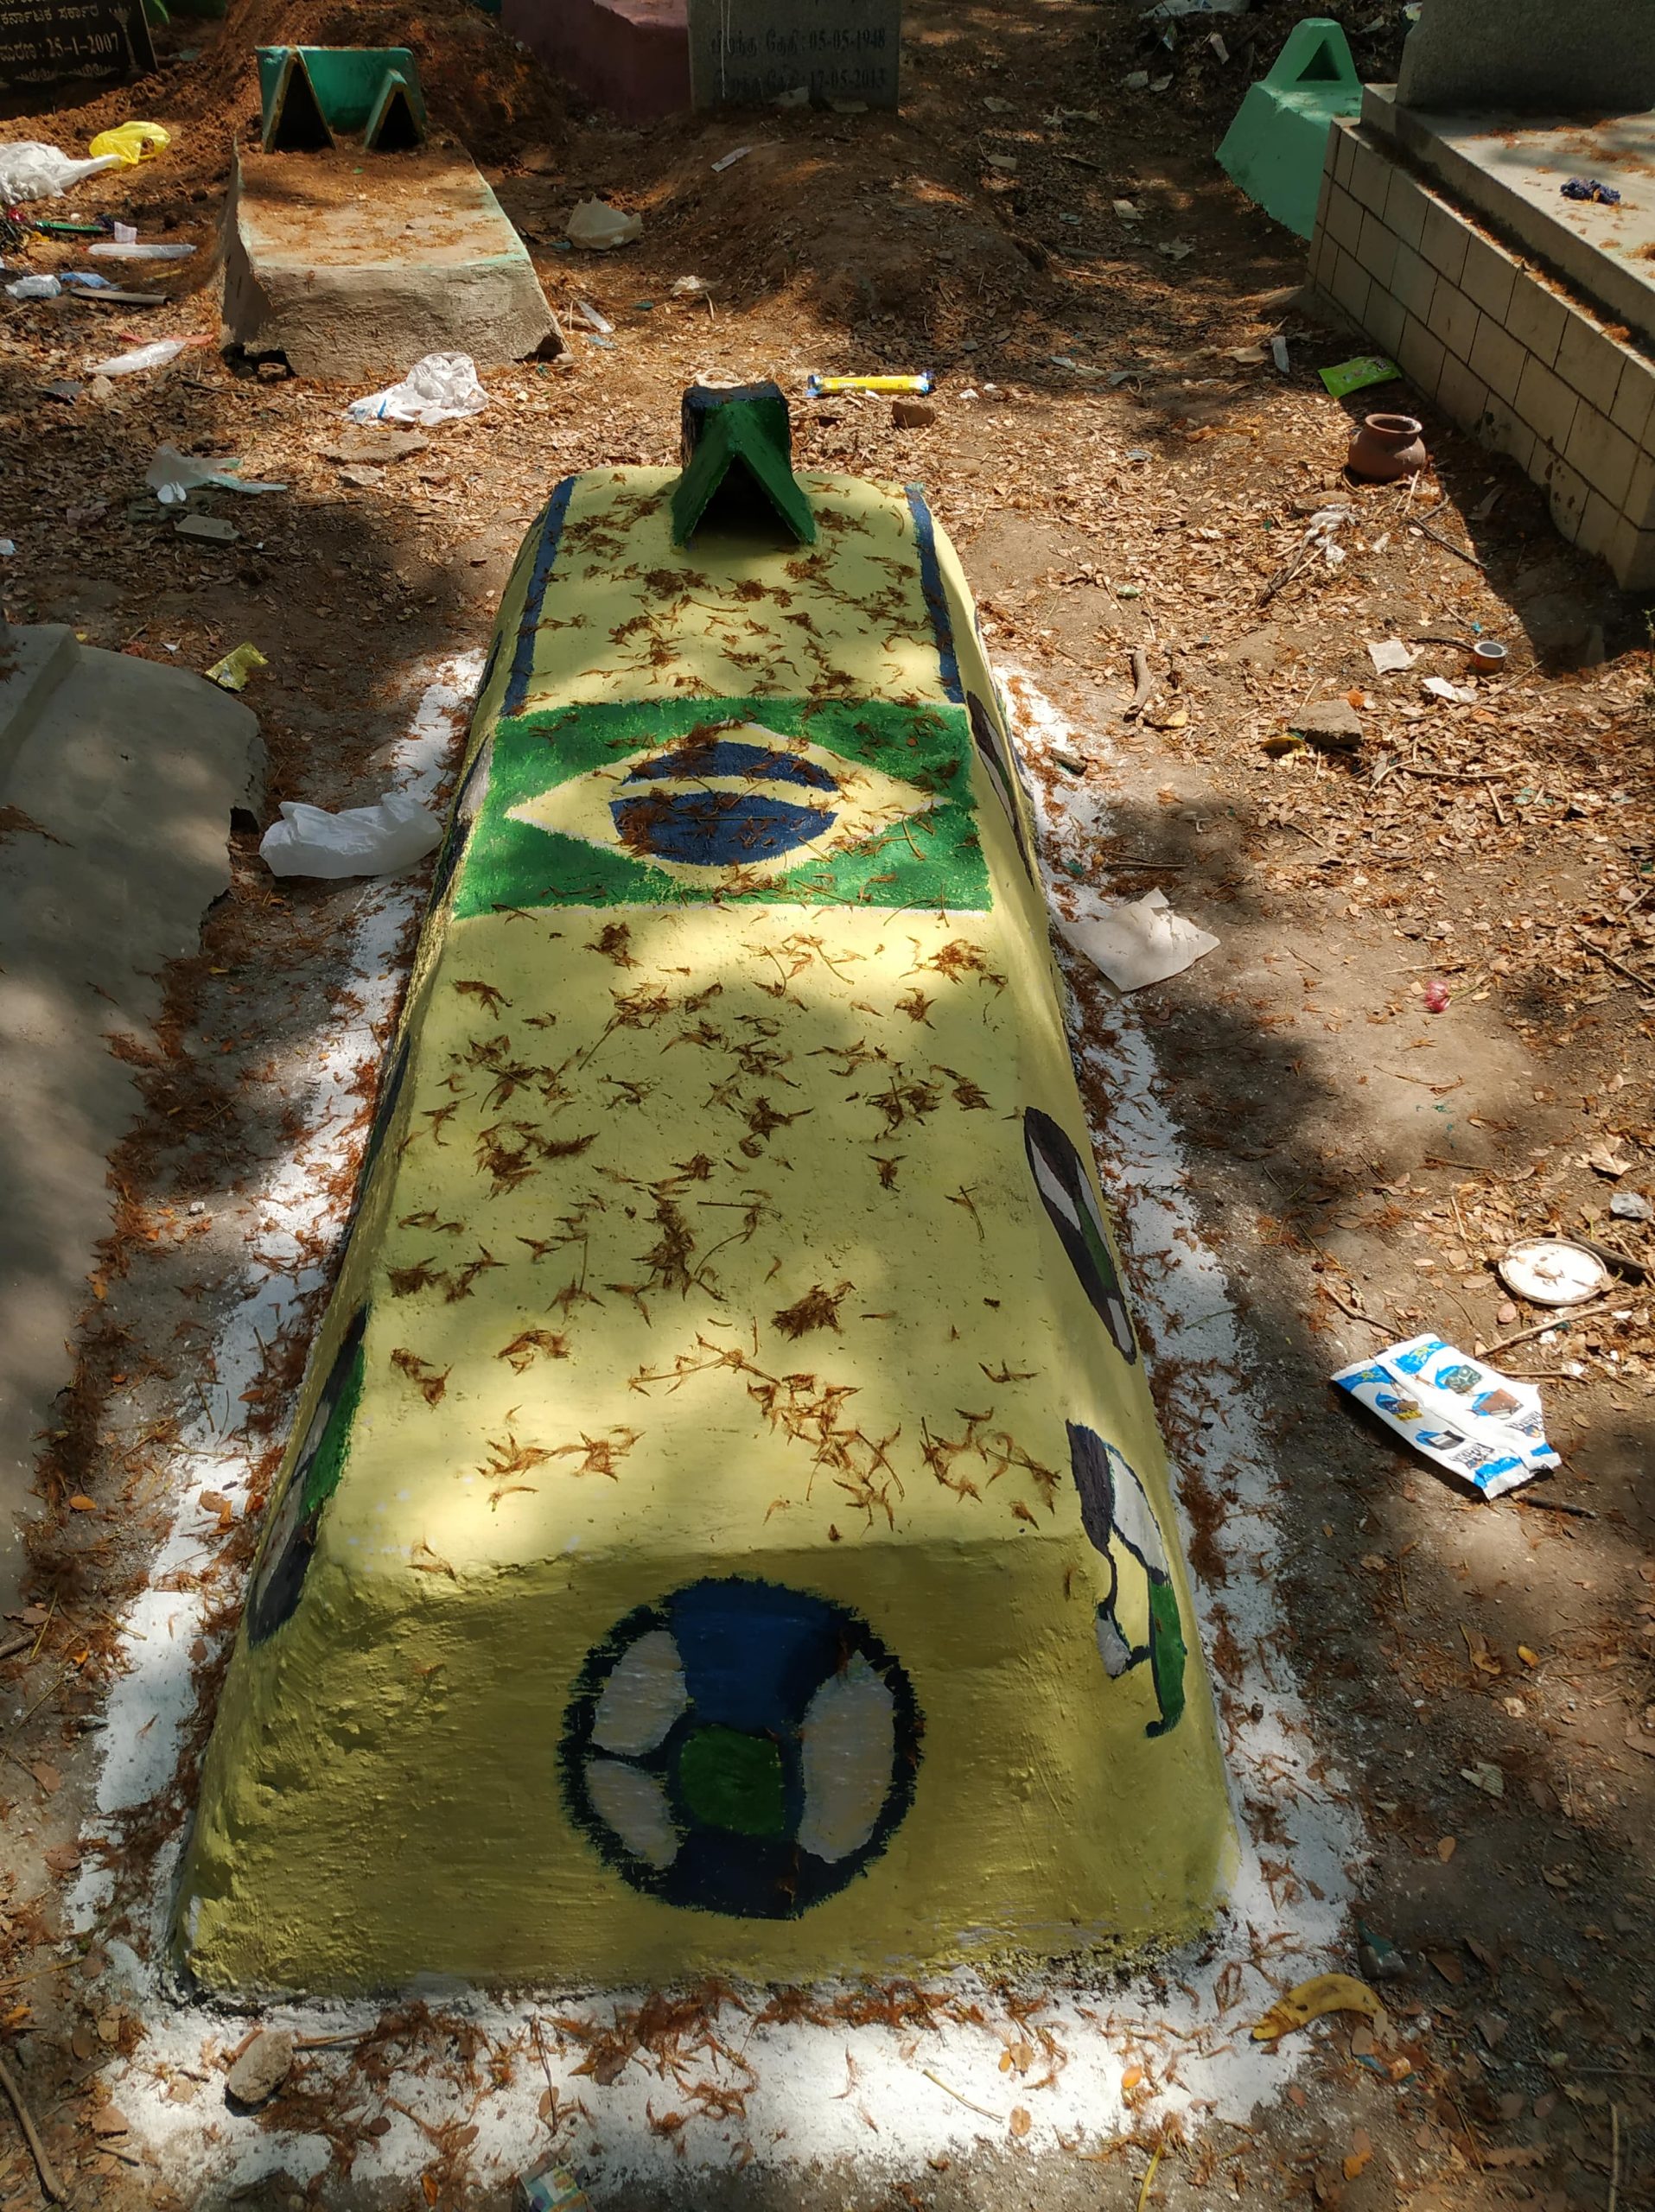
[
  {"x": 738, "y": 465},
  {"x": 1275, "y": 147}
]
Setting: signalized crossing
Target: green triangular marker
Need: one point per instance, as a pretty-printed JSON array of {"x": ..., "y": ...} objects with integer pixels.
[
  {"x": 393, "y": 127},
  {"x": 738, "y": 464},
  {"x": 294, "y": 122}
]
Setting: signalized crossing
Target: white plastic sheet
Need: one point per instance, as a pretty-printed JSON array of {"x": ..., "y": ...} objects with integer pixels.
[
  {"x": 1138, "y": 942},
  {"x": 154, "y": 356},
  {"x": 172, "y": 476},
  {"x": 380, "y": 839},
  {"x": 441, "y": 388},
  {"x": 596, "y": 225},
  {"x": 31, "y": 169}
]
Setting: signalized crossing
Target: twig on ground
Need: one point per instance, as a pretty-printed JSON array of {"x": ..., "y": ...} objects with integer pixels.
[
  {"x": 1644, "y": 983},
  {"x": 1447, "y": 545},
  {"x": 1334, "y": 1298},
  {"x": 14, "y": 1645},
  {"x": 1558, "y": 1505},
  {"x": 1563, "y": 1313},
  {"x": 1145, "y": 684},
  {"x": 49, "y": 2180},
  {"x": 959, "y": 2099}
]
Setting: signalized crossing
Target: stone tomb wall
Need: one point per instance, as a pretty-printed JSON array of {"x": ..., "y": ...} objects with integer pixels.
[{"x": 1503, "y": 349}]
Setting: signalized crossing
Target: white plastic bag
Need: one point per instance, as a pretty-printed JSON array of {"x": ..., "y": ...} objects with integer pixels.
[
  {"x": 441, "y": 388},
  {"x": 34, "y": 288},
  {"x": 126, "y": 250},
  {"x": 379, "y": 840},
  {"x": 154, "y": 356},
  {"x": 596, "y": 225},
  {"x": 172, "y": 476},
  {"x": 29, "y": 169}
]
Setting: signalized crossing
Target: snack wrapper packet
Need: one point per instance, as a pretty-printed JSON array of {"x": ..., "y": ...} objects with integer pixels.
[{"x": 1455, "y": 1410}]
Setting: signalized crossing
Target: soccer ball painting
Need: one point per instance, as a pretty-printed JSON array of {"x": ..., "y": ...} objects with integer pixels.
[{"x": 742, "y": 1748}]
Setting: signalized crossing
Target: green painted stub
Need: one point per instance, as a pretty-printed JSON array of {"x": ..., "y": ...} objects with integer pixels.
[
  {"x": 734, "y": 1782},
  {"x": 311, "y": 95},
  {"x": 1277, "y": 145},
  {"x": 742, "y": 456},
  {"x": 547, "y": 832}
]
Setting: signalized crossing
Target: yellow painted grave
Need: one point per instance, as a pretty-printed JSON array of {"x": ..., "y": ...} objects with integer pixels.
[{"x": 725, "y": 1527}]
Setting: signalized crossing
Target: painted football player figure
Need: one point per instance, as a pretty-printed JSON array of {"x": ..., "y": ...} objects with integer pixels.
[{"x": 1117, "y": 1516}]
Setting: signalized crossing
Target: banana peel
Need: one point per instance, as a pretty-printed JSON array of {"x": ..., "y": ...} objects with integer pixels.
[{"x": 1324, "y": 1992}]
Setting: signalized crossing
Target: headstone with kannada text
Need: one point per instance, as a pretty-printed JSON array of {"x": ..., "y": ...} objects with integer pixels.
[
  {"x": 55, "y": 41},
  {"x": 745, "y": 53}
]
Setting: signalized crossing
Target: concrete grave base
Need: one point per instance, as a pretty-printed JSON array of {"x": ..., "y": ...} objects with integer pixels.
[
  {"x": 116, "y": 781},
  {"x": 1505, "y": 349},
  {"x": 354, "y": 267}
]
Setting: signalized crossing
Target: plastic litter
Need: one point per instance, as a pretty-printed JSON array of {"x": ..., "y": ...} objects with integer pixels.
[
  {"x": 1454, "y": 695},
  {"x": 131, "y": 142},
  {"x": 1138, "y": 942},
  {"x": 31, "y": 169},
  {"x": 231, "y": 673},
  {"x": 551, "y": 2188},
  {"x": 34, "y": 288},
  {"x": 590, "y": 315},
  {"x": 8, "y": 547},
  {"x": 729, "y": 160},
  {"x": 1631, "y": 1206},
  {"x": 208, "y": 527},
  {"x": 1550, "y": 1271},
  {"x": 831, "y": 387},
  {"x": 1437, "y": 996},
  {"x": 379, "y": 840},
  {"x": 440, "y": 388},
  {"x": 153, "y": 356},
  {"x": 85, "y": 280},
  {"x": 1592, "y": 188},
  {"x": 1390, "y": 655},
  {"x": 172, "y": 476},
  {"x": 599, "y": 227},
  {"x": 1458, "y": 1413},
  {"x": 120, "y": 249},
  {"x": 1347, "y": 377}
]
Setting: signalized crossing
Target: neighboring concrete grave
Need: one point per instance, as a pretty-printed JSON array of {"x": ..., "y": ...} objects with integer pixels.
[
  {"x": 1513, "y": 174},
  {"x": 355, "y": 271},
  {"x": 743, "y": 53},
  {"x": 1530, "y": 57},
  {"x": 116, "y": 781},
  {"x": 1534, "y": 368}
]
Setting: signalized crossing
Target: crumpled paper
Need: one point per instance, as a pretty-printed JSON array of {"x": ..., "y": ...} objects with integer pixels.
[{"x": 1138, "y": 942}]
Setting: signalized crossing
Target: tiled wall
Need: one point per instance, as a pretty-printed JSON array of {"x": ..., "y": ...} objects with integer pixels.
[{"x": 1501, "y": 348}]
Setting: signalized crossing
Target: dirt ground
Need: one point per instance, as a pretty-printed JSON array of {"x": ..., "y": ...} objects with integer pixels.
[{"x": 1125, "y": 469}]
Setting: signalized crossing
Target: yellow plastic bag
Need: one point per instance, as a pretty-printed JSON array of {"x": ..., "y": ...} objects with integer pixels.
[{"x": 133, "y": 142}]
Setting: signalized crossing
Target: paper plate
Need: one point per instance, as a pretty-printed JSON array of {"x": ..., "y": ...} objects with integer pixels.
[{"x": 1548, "y": 1272}]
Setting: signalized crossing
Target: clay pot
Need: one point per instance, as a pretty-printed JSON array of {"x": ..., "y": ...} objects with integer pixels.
[{"x": 1387, "y": 447}]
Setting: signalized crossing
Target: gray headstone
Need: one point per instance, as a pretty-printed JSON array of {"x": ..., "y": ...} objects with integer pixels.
[
  {"x": 1530, "y": 57},
  {"x": 744, "y": 53}
]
